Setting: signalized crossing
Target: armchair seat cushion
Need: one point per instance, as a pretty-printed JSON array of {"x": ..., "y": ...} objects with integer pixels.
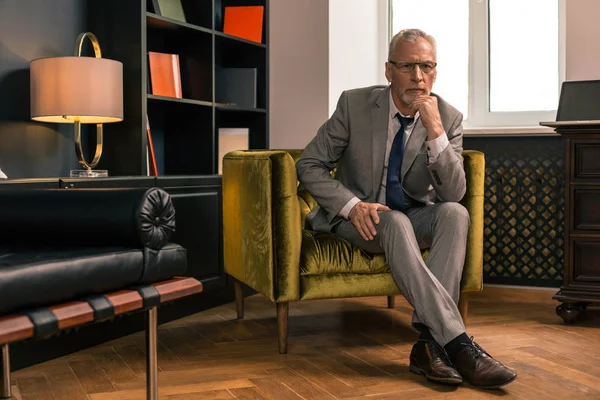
[{"x": 327, "y": 254}]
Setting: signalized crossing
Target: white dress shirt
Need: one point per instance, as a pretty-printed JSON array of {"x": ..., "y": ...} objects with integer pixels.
[{"x": 434, "y": 149}]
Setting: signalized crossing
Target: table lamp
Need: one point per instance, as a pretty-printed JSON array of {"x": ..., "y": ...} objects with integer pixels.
[{"x": 78, "y": 90}]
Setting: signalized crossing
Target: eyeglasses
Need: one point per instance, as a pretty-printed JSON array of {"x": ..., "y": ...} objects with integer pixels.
[{"x": 426, "y": 67}]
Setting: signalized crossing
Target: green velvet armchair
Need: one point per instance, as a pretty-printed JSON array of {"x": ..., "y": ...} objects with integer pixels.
[{"x": 267, "y": 247}]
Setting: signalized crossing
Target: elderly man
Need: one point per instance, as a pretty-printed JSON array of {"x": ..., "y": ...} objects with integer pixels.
[{"x": 399, "y": 178}]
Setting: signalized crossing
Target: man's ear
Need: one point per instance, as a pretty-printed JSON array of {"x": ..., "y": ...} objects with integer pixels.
[{"x": 388, "y": 72}]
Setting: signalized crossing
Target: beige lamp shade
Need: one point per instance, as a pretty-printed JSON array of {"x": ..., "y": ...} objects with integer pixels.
[{"x": 66, "y": 89}]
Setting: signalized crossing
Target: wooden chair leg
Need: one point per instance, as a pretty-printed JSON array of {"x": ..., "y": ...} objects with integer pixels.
[
  {"x": 239, "y": 298},
  {"x": 282, "y": 326},
  {"x": 391, "y": 301},
  {"x": 463, "y": 305}
]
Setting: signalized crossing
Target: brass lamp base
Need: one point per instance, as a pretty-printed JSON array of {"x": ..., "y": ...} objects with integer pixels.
[{"x": 88, "y": 173}]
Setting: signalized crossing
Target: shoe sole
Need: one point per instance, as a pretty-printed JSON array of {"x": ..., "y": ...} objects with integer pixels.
[
  {"x": 419, "y": 371},
  {"x": 499, "y": 385}
]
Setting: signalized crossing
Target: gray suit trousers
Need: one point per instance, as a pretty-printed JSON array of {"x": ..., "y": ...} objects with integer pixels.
[{"x": 431, "y": 287}]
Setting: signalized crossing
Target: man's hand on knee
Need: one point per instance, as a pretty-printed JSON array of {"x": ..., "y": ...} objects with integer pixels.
[{"x": 364, "y": 217}]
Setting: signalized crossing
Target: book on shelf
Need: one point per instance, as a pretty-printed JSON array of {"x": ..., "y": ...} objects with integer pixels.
[
  {"x": 231, "y": 139},
  {"x": 169, "y": 8},
  {"x": 165, "y": 74},
  {"x": 236, "y": 87},
  {"x": 244, "y": 21},
  {"x": 150, "y": 154}
]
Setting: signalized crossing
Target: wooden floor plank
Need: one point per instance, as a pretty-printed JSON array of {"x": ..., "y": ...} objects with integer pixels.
[
  {"x": 175, "y": 390},
  {"x": 212, "y": 395},
  {"x": 113, "y": 366},
  {"x": 91, "y": 377},
  {"x": 64, "y": 384},
  {"x": 275, "y": 390},
  {"x": 299, "y": 384},
  {"x": 249, "y": 393},
  {"x": 34, "y": 388},
  {"x": 338, "y": 349},
  {"x": 133, "y": 356}
]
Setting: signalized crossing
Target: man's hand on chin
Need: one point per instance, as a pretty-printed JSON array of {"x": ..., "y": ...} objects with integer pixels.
[
  {"x": 427, "y": 106},
  {"x": 364, "y": 217}
]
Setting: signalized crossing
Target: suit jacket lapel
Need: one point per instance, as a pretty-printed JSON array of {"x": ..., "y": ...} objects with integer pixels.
[
  {"x": 379, "y": 127},
  {"x": 413, "y": 146}
]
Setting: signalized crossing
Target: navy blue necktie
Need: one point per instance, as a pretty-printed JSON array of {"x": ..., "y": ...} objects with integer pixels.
[{"x": 394, "y": 195}]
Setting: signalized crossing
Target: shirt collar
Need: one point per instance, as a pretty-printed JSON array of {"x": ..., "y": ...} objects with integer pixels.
[{"x": 394, "y": 110}]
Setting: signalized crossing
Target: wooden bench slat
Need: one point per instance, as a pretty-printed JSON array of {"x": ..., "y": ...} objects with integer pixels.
[
  {"x": 18, "y": 327},
  {"x": 72, "y": 313},
  {"x": 176, "y": 288},
  {"x": 125, "y": 301},
  {"x": 14, "y": 328}
]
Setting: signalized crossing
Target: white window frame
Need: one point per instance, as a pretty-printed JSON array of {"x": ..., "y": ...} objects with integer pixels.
[{"x": 480, "y": 118}]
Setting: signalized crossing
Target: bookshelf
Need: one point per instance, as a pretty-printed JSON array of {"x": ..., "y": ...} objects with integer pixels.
[{"x": 185, "y": 131}]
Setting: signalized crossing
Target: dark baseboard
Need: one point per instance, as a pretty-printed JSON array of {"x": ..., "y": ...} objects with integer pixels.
[{"x": 497, "y": 280}]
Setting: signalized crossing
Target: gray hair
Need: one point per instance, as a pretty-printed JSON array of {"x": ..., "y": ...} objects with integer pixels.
[{"x": 410, "y": 35}]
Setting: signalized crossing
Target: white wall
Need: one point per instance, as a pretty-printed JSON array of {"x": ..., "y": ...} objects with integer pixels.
[
  {"x": 357, "y": 45},
  {"x": 298, "y": 62},
  {"x": 318, "y": 48},
  {"x": 583, "y": 46}
]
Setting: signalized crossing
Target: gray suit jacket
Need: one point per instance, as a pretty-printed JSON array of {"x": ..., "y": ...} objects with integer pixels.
[{"x": 354, "y": 141}]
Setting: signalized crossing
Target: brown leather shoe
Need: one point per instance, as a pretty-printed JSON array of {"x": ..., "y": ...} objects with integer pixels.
[
  {"x": 430, "y": 359},
  {"x": 481, "y": 370}
]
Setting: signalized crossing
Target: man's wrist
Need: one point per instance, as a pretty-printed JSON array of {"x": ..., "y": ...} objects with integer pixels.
[
  {"x": 345, "y": 211},
  {"x": 353, "y": 210},
  {"x": 436, "y": 132}
]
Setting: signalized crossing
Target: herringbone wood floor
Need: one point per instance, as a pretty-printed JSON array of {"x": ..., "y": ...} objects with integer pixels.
[{"x": 338, "y": 349}]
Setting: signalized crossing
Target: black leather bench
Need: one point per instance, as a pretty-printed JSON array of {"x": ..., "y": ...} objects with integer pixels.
[{"x": 80, "y": 256}]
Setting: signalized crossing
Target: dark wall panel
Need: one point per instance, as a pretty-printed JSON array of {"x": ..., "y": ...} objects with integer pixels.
[
  {"x": 31, "y": 29},
  {"x": 524, "y": 209}
]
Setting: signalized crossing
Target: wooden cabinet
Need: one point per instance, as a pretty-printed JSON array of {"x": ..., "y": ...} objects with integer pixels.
[
  {"x": 582, "y": 223},
  {"x": 198, "y": 206}
]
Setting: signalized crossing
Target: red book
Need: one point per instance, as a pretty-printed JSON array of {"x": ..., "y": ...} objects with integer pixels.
[
  {"x": 245, "y": 22},
  {"x": 164, "y": 74}
]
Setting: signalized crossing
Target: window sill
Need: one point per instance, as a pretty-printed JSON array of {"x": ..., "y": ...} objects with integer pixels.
[{"x": 510, "y": 131}]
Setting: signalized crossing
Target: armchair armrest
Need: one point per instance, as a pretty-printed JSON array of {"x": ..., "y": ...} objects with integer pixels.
[
  {"x": 262, "y": 233},
  {"x": 474, "y": 162},
  {"x": 135, "y": 218}
]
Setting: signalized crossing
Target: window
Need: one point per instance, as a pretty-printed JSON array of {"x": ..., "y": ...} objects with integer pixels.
[{"x": 499, "y": 61}]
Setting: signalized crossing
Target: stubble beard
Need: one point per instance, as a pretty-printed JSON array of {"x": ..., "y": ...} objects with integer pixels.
[{"x": 405, "y": 98}]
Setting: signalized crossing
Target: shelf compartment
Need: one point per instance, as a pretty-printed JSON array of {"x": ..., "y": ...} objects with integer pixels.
[
  {"x": 237, "y": 54},
  {"x": 182, "y": 135},
  {"x": 194, "y": 48},
  {"x": 158, "y": 22},
  {"x": 255, "y": 122},
  {"x": 197, "y": 13}
]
